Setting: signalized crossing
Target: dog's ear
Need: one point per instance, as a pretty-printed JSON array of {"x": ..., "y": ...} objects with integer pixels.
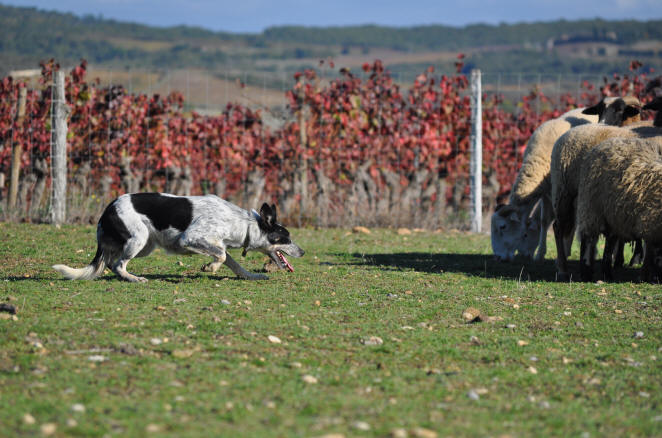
[
  {"x": 273, "y": 210},
  {"x": 268, "y": 215}
]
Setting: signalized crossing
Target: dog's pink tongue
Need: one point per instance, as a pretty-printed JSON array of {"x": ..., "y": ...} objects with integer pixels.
[{"x": 284, "y": 260}]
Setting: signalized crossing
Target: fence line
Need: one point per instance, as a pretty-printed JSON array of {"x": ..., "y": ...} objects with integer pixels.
[{"x": 199, "y": 91}]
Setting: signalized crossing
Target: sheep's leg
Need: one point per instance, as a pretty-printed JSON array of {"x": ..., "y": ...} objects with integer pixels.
[
  {"x": 587, "y": 256},
  {"x": 612, "y": 244},
  {"x": 546, "y": 218},
  {"x": 567, "y": 242},
  {"x": 637, "y": 253},
  {"x": 619, "y": 256},
  {"x": 651, "y": 271},
  {"x": 561, "y": 259},
  {"x": 657, "y": 262}
]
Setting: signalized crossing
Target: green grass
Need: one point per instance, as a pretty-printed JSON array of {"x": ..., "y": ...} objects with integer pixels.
[{"x": 219, "y": 375}]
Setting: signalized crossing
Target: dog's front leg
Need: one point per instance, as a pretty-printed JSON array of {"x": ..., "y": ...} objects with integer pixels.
[
  {"x": 241, "y": 272},
  {"x": 213, "y": 266}
]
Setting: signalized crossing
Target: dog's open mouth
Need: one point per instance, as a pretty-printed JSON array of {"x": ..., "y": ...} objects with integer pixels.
[{"x": 284, "y": 261}]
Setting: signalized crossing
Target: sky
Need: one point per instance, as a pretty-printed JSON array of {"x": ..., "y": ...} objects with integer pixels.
[{"x": 253, "y": 16}]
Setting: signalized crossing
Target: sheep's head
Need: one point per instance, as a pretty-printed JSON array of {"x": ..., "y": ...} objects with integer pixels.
[
  {"x": 616, "y": 111},
  {"x": 506, "y": 232},
  {"x": 529, "y": 238},
  {"x": 656, "y": 105},
  {"x": 654, "y": 87}
]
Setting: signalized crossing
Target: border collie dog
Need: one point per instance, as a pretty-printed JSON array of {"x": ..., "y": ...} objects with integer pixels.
[{"x": 134, "y": 224}]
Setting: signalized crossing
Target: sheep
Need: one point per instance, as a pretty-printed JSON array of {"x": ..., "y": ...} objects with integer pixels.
[
  {"x": 506, "y": 227},
  {"x": 568, "y": 154},
  {"x": 621, "y": 197},
  {"x": 510, "y": 225}
]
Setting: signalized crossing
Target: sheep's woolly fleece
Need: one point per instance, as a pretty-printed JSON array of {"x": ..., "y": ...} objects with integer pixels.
[
  {"x": 621, "y": 190},
  {"x": 567, "y": 158},
  {"x": 533, "y": 179}
]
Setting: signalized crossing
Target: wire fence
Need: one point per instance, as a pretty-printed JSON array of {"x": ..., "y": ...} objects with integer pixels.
[{"x": 327, "y": 188}]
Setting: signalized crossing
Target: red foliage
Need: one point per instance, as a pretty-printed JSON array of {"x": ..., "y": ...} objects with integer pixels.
[{"x": 349, "y": 121}]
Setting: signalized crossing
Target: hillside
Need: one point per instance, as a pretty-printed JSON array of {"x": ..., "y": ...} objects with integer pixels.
[
  {"x": 28, "y": 35},
  {"x": 212, "y": 68}
]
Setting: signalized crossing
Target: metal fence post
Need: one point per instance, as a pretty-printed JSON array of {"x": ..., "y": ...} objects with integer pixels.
[
  {"x": 59, "y": 151},
  {"x": 476, "y": 152}
]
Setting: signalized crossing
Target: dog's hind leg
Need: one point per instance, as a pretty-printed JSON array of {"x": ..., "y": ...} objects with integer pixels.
[
  {"x": 241, "y": 272},
  {"x": 132, "y": 248}
]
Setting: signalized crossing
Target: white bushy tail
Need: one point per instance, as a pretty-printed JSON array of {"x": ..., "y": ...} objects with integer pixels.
[{"x": 89, "y": 272}]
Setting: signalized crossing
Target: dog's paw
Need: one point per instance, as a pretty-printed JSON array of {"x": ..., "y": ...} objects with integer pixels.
[{"x": 211, "y": 267}]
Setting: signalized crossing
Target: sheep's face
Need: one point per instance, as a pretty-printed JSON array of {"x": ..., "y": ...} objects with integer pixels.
[
  {"x": 656, "y": 105},
  {"x": 506, "y": 232},
  {"x": 616, "y": 111},
  {"x": 528, "y": 242}
]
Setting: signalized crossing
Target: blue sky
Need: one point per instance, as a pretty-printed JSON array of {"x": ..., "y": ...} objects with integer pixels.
[{"x": 256, "y": 15}]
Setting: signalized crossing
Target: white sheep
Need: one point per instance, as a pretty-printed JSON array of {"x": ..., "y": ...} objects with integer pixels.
[
  {"x": 511, "y": 226},
  {"x": 568, "y": 154},
  {"x": 620, "y": 196}
]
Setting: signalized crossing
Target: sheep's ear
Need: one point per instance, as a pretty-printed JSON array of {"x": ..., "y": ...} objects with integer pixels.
[
  {"x": 631, "y": 111},
  {"x": 655, "y": 104},
  {"x": 595, "y": 110},
  {"x": 533, "y": 223}
]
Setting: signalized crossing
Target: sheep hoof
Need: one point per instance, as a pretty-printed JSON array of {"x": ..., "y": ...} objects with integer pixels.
[{"x": 562, "y": 277}]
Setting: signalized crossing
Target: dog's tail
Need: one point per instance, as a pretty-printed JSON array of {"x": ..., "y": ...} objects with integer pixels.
[{"x": 89, "y": 272}]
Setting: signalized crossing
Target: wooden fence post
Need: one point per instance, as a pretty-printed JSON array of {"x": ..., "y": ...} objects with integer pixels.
[
  {"x": 17, "y": 151},
  {"x": 59, "y": 151},
  {"x": 476, "y": 152}
]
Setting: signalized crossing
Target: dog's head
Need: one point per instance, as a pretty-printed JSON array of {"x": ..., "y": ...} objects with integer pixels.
[{"x": 277, "y": 236}]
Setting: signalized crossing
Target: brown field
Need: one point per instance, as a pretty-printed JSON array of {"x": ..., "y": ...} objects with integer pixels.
[{"x": 203, "y": 90}]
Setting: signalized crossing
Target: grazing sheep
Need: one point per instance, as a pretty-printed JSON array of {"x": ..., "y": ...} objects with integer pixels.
[
  {"x": 511, "y": 231},
  {"x": 506, "y": 227},
  {"x": 567, "y": 156},
  {"x": 620, "y": 196},
  {"x": 510, "y": 225},
  {"x": 656, "y": 104}
]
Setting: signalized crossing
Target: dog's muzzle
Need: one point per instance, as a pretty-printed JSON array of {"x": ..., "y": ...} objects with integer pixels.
[{"x": 278, "y": 255}]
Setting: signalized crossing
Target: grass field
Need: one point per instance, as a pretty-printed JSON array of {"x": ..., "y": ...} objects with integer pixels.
[{"x": 190, "y": 353}]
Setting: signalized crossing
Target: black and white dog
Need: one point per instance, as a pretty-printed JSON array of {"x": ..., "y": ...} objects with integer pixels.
[{"x": 134, "y": 224}]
